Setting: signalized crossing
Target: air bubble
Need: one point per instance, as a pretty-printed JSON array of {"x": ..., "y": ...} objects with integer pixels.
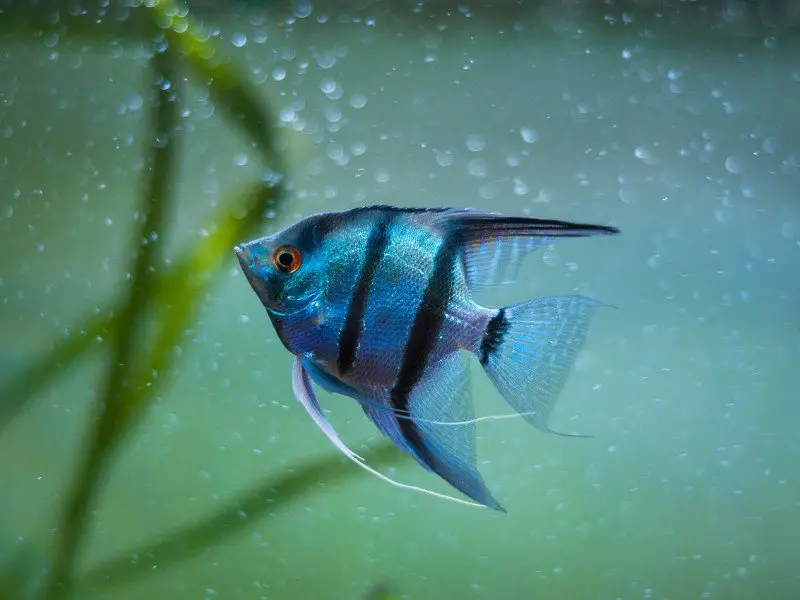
[
  {"x": 358, "y": 148},
  {"x": 476, "y": 143},
  {"x": 528, "y": 134},
  {"x": 328, "y": 86},
  {"x": 478, "y": 167},
  {"x": 239, "y": 39},
  {"x": 302, "y": 8},
  {"x": 358, "y": 101},
  {"x": 445, "y": 158},
  {"x": 733, "y": 164},
  {"x": 771, "y": 145},
  {"x": 326, "y": 60}
]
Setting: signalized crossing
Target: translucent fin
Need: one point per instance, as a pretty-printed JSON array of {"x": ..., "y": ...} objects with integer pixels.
[
  {"x": 491, "y": 262},
  {"x": 386, "y": 420},
  {"x": 443, "y": 394},
  {"x": 304, "y": 391},
  {"x": 301, "y": 385},
  {"x": 495, "y": 244},
  {"x": 529, "y": 349}
]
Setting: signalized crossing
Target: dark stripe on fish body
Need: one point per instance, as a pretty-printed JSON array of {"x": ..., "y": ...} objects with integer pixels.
[
  {"x": 354, "y": 320},
  {"x": 493, "y": 337},
  {"x": 428, "y": 323}
]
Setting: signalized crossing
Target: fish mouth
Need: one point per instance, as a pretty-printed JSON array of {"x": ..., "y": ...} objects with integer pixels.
[{"x": 244, "y": 258}]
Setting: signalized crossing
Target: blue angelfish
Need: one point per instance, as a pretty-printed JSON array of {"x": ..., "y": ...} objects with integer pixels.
[{"x": 376, "y": 303}]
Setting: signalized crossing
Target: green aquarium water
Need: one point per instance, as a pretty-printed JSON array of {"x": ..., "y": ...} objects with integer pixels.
[{"x": 151, "y": 444}]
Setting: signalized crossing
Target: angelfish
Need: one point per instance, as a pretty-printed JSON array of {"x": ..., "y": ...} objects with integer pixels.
[{"x": 376, "y": 303}]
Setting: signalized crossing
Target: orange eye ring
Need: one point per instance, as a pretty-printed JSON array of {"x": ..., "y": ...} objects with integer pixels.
[{"x": 287, "y": 259}]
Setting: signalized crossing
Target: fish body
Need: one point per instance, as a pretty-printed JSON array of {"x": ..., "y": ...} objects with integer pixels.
[{"x": 377, "y": 303}]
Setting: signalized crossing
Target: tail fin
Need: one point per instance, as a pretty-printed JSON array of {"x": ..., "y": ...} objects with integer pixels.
[{"x": 528, "y": 350}]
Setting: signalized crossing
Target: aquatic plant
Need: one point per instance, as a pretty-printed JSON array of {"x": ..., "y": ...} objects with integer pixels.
[{"x": 140, "y": 355}]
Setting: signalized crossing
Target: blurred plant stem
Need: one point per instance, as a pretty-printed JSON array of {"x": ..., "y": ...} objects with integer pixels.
[
  {"x": 114, "y": 411},
  {"x": 242, "y": 104},
  {"x": 265, "y": 499},
  {"x": 229, "y": 227}
]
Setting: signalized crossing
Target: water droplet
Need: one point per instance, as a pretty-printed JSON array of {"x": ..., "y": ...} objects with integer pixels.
[
  {"x": 771, "y": 145},
  {"x": 644, "y": 155},
  {"x": 674, "y": 74},
  {"x": 520, "y": 187},
  {"x": 51, "y": 39},
  {"x": 327, "y": 85},
  {"x": 302, "y": 8},
  {"x": 278, "y": 73},
  {"x": 358, "y": 101},
  {"x": 627, "y": 53},
  {"x": 478, "y": 167},
  {"x": 326, "y": 60},
  {"x": 733, "y": 164},
  {"x": 487, "y": 191},
  {"x": 134, "y": 102},
  {"x": 333, "y": 115},
  {"x": 240, "y": 160},
  {"x": 287, "y": 115},
  {"x": 476, "y": 143},
  {"x": 239, "y": 39},
  {"x": 244, "y": 319},
  {"x": 528, "y": 134},
  {"x": 382, "y": 176},
  {"x": 358, "y": 148},
  {"x": 161, "y": 139},
  {"x": 445, "y": 158}
]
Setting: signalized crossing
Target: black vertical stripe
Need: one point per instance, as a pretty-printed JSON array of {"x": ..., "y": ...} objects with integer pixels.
[
  {"x": 354, "y": 320},
  {"x": 493, "y": 338},
  {"x": 427, "y": 325}
]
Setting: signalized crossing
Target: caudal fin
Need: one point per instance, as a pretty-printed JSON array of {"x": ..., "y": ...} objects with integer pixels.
[{"x": 528, "y": 350}]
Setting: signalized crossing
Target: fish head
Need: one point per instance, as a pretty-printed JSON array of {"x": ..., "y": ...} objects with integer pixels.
[{"x": 285, "y": 270}]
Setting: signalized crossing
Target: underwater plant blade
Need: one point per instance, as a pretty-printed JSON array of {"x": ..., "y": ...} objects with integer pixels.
[
  {"x": 25, "y": 384},
  {"x": 261, "y": 501},
  {"x": 238, "y": 218},
  {"x": 112, "y": 413},
  {"x": 231, "y": 92}
]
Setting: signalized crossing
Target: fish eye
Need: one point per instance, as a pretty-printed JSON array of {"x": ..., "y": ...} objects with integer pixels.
[{"x": 287, "y": 259}]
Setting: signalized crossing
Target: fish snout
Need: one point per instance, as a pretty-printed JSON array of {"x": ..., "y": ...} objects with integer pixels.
[{"x": 244, "y": 258}]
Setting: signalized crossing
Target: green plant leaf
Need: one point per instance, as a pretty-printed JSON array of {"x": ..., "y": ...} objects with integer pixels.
[
  {"x": 238, "y": 99},
  {"x": 113, "y": 411}
]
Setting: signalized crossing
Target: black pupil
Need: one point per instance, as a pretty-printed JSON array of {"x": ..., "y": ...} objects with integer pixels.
[{"x": 285, "y": 259}]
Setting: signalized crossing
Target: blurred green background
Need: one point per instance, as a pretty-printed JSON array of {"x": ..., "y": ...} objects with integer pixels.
[{"x": 196, "y": 126}]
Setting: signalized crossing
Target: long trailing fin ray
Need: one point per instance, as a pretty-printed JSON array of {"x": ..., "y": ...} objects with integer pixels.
[
  {"x": 529, "y": 349},
  {"x": 304, "y": 391},
  {"x": 443, "y": 394}
]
